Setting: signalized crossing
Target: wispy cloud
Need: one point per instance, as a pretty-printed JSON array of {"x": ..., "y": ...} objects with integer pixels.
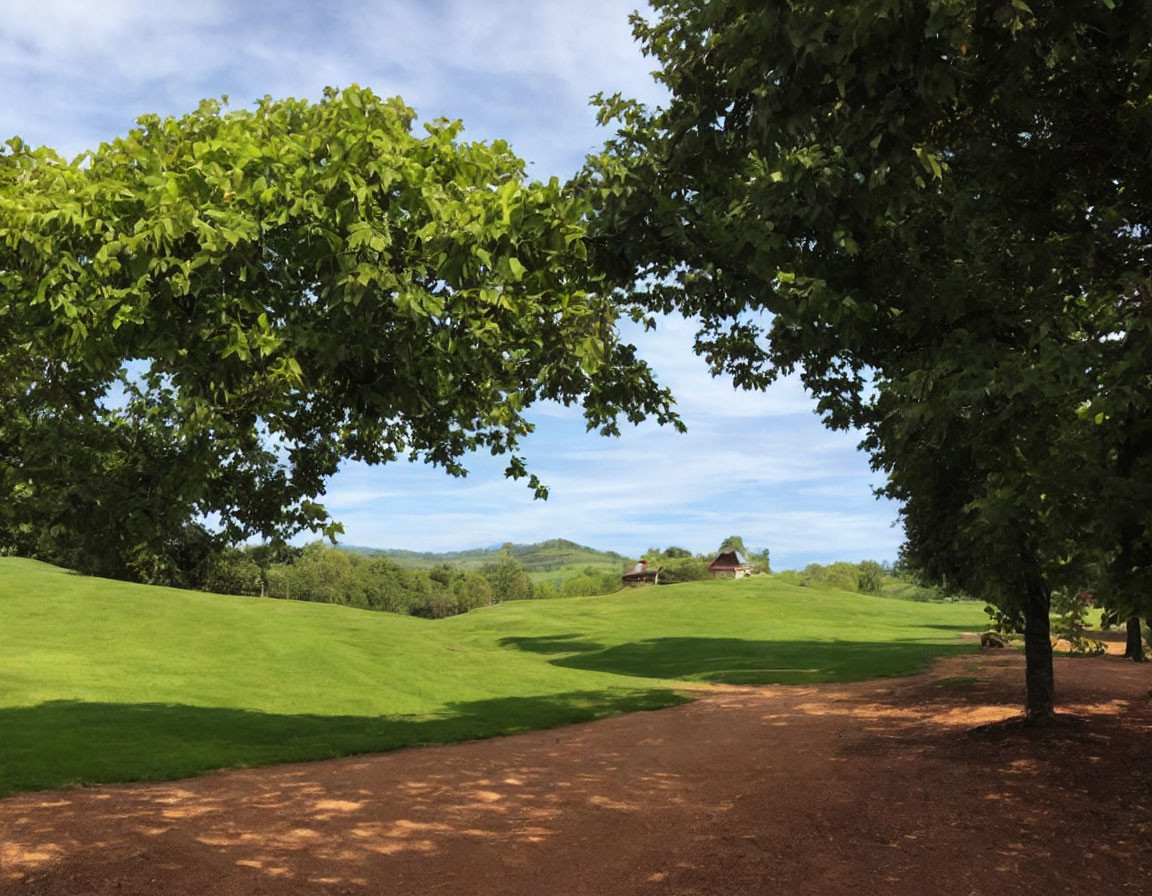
[
  {"x": 669, "y": 348},
  {"x": 783, "y": 482},
  {"x": 81, "y": 72}
]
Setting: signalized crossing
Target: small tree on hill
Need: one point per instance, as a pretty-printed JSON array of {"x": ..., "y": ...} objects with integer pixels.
[
  {"x": 870, "y": 576},
  {"x": 507, "y": 579},
  {"x": 761, "y": 560},
  {"x": 734, "y": 543}
]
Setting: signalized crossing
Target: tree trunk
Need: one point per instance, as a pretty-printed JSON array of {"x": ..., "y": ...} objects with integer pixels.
[
  {"x": 1039, "y": 681},
  {"x": 1134, "y": 647}
]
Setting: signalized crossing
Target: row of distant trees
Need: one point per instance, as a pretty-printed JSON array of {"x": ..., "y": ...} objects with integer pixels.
[
  {"x": 328, "y": 575},
  {"x": 323, "y": 574},
  {"x": 866, "y": 577},
  {"x": 588, "y": 582}
]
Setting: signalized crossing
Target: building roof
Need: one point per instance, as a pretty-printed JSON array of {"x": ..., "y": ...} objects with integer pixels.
[
  {"x": 727, "y": 560},
  {"x": 641, "y": 571}
]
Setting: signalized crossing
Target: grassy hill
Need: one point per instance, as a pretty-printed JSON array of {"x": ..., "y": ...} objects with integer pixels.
[
  {"x": 109, "y": 681},
  {"x": 555, "y": 558}
]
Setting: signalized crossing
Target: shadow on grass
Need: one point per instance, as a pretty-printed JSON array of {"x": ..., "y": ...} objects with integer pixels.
[
  {"x": 739, "y": 661},
  {"x": 67, "y": 742},
  {"x": 553, "y": 644}
]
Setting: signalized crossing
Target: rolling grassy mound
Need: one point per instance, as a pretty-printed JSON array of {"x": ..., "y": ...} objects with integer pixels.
[{"x": 109, "y": 681}]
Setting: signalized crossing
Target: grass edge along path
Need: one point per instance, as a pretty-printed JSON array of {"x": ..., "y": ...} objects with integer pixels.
[{"x": 105, "y": 681}]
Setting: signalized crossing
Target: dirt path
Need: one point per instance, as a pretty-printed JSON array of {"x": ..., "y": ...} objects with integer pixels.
[{"x": 879, "y": 787}]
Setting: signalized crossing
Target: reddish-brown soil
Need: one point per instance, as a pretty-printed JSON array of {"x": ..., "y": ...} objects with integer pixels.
[{"x": 882, "y": 787}]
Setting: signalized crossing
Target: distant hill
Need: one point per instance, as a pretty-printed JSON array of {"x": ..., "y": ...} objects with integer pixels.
[{"x": 557, "y": 555}]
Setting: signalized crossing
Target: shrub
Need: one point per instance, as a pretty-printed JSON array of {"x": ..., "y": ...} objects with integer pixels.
[
  {"x": 472, "y": 590},
  {"x": 507, "y": 579},
  {"x": 870, "y": 577},
  {"x": 684, "y": 569},
  {"x": 1071, "y": 609},
  {"x": 233, "y": 572},
  {"x": 1006, "y": 622},
  {"x": 844, "y": 576},
  {"x": 590, "y": 582}
]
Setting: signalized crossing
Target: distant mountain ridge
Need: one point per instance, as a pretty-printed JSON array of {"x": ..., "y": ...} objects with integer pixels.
[{"x": 545, "y": 556}]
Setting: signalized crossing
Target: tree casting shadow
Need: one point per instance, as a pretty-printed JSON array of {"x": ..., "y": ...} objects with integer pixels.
[
  {"x": 66, "y": 742},
  {"x": 740, "y": 661}
]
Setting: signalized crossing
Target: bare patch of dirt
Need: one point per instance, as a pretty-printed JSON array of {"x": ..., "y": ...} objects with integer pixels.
[{"x": 882, "y": 787}]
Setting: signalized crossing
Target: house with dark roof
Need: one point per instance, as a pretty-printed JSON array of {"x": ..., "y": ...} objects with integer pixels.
[{"x": 727, "y": 565}]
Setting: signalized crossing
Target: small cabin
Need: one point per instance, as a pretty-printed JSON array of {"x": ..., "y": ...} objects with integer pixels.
[
  {"x": 728, "y": 566},
  {"x": 642, "y": 574}
]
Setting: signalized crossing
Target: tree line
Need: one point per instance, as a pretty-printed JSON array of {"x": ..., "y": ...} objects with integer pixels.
[
  {"x": 323, "y": 574},
  {"x": 865, "y": 577}
]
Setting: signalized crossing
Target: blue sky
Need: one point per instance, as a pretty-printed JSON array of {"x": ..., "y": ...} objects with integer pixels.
[{"x": 75, "y": 72}]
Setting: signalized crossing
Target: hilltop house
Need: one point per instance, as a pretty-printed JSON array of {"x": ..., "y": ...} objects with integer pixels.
[
  {"x": 728, "y": 566},
  {"x": 641, "y": 574}
]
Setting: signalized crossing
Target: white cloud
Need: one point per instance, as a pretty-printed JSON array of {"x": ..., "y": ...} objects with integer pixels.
[
  {"x": 81, "y": 72},
  {"x": 781, "y": 482},
  {"x": 668, "y": 348}
]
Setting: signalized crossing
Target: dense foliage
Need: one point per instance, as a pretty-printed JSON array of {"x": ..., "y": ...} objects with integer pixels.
[
  {"x": 589, "y": 582},
  {"x": 866, "y": 577},
  {"x": 677, "y": 565},
  {"x": 328, "y": 575},
  {"x": 939, "y": 212},
  {"x": 205, "y": 316},
  {"x": 684, "y": 569}
]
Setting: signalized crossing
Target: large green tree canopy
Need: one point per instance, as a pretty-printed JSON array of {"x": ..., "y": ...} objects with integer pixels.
[
  {"x": 260, "y": 294},
  {"x": 939, "y": 212},
  {"x": 835, "y": 163}
]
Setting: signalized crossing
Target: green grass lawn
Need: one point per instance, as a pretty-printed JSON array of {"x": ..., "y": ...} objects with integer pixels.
[{"x": 108, "y": 681}]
